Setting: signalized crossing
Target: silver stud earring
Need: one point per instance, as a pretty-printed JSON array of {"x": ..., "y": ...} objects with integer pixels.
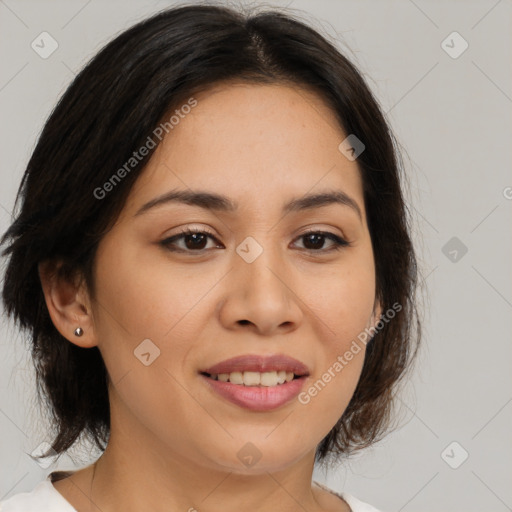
[{"x": 79, "y": 331}]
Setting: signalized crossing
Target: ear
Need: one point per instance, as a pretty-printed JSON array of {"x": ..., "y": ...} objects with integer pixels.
[
  {"x": 376, "y": 313},
  {"x": 68, "y": 304}
]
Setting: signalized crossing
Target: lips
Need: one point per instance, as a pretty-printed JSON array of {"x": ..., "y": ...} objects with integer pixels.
[
  {"x": 257, "y": 383},
  {"x": 257, "y": 363}
]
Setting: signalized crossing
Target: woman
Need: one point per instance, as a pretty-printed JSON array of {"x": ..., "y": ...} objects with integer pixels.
[{"x": 213, "y": 259}]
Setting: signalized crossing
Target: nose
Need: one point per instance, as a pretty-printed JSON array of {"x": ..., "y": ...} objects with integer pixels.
[{"x": 260, "y": 296}]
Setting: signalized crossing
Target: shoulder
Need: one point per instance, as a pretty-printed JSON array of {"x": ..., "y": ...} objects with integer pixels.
[
  {"x": 43, "y": 498},
  {"x": 357, "y": 505},
  {"x": 354, "y": 504}
]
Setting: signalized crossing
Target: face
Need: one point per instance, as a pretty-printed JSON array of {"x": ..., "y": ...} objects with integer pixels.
[{"x": 257, "y": 279}]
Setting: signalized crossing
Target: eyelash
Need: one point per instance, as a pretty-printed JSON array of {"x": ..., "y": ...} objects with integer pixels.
[{"x": 339, "y": 243}]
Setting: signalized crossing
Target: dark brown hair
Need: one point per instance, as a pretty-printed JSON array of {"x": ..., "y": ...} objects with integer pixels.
[{"x": 109, "y": 110}]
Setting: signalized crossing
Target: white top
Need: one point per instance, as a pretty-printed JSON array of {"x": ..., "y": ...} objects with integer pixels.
[{"x": 45, "y": 498}]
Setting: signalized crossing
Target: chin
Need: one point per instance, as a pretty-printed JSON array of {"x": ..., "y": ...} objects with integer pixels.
[{"x": 254, "y": 458}]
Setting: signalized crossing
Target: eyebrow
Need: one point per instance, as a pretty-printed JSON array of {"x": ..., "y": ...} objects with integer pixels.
[{"x": 218, "y": 202}]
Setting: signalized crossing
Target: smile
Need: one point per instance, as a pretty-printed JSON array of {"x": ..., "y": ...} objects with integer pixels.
[{"x": 261, "y": 397}]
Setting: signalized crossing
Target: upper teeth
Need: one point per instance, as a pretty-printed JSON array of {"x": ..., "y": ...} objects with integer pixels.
[{"x": 255, "y": 378}]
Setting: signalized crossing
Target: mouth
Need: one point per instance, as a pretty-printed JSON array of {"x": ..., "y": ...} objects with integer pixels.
[
  {"x": 257, "y": 370},
  {"x": 248, "y": 378},
  {"x": 257, "y": 383}
]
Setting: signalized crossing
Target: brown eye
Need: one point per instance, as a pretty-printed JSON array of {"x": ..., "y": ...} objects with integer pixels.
[
  {"x": 189, "y": 241},
  {"x": 315, "y": 240},
  {"x": 195, "y": 241}
]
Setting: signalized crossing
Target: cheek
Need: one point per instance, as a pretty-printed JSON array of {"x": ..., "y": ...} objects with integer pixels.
[
  {"x": 343, "y": 305},
  {"x": 140, "y": 300},
  {"x": 148, "y": 318},
  {"x": 344, "y": 302},
  {"x": 144, "y": 296},
  {"x": 326, "y": 396}
]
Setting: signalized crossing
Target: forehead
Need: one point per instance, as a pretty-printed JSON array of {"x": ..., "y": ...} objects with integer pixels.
[{"x": 261, "y": 142}]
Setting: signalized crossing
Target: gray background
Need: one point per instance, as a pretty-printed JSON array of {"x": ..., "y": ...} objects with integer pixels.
[{"x": 452, "y": 116}]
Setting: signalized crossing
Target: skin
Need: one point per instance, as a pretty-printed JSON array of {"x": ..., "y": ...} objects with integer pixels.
[{"x": 174, "y": 443}]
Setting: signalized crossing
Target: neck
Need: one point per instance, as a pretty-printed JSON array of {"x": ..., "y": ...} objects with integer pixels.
[
  {"x": 136, "y": 479},
  {"x": 136, "y": 472}
]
